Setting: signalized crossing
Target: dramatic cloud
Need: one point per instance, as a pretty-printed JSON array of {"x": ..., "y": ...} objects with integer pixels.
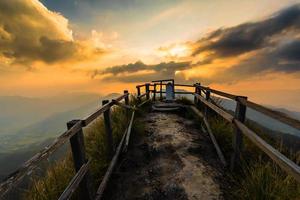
[
  {"x": 249, "y": 36},
  {"x": 30, "y": 32},
  {"x": 137, "y": 72}
]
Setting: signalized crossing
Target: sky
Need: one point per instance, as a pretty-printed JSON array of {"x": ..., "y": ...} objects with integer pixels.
[{"x": 250, "y": 48}]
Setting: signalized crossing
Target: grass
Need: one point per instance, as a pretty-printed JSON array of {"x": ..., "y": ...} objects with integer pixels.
[
  {"x": 58, "y": 175},
  {"x": 258, "y": 177}
]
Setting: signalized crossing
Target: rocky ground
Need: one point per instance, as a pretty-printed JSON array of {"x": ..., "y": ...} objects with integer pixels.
[{"x": 173, "y": 160}]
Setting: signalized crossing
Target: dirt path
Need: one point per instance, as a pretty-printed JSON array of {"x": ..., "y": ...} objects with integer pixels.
[{"x": 173, "y": 161}]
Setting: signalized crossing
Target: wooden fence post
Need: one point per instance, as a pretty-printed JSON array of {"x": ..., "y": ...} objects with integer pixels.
[
  {"x": 108, "y": 131},
  {"x": 161, "y": 97},
  {"x": 207, "y": 97},
  {"x": 147, "y": 90},
  {"x": 173, "y": 84},
  {"x": 197, "y": 91},
  {"x": 138, "y": 93},
  {"x": 237, "y": 143},
  {"x": 154, "y": 92},
  {"x": 126, "y": 103},
  {"x": 78, "y": 153}
]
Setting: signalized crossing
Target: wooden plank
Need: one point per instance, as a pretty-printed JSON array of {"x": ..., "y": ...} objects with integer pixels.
[
  {"x": 211, "y": 135},
  {"x": 28, "y": 167},
  {"x": 108, "y": 131},
  {"x": 237, "y": 140},
  {"x": 104, "y": 182},
  {"x": 273, "y": 114},
  {"x": 215, "y": 108},
  {"x": 287, "y": 165},
  {"x": 128, "y": 133},
  {"x": 74, "y": 183}
]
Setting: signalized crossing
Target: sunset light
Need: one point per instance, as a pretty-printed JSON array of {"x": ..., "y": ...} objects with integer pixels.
[{"x": 175, "y": 84}]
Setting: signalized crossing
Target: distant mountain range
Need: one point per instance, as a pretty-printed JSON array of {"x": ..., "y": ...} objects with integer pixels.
[
  {"x": 264, "y": 120},
  {"x": 29, "y": 124}
]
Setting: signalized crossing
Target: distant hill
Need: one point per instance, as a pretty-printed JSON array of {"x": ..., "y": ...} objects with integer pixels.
[
  {"x": 265, "y": 120},
  {"x": 21, "y": 144},
  {"x": 18, "y": 112}
]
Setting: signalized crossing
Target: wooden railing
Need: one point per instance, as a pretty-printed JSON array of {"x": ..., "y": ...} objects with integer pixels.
[
  {"x": 202, "y": 95},
  {"x": 74, "y": 134}
]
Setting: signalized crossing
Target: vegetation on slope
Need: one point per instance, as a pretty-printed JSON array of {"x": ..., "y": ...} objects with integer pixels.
[
  {"x": 58, "y": 175},
  {"x": 258, "y": 177}
]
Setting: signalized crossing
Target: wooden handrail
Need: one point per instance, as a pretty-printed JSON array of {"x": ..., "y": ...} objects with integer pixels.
[
  {"x": 211, "y": 135},
  {"x": 223, "y": 94},
  {"x": 286, "y": 164},
  {"x": 272, "y": 113},
  {"x": 31, "y": 164},
  {"x": 162, "y": 80},
  {"x": 215, "y": 108},
  {"x": 74, "y": 183},
  {"x": 110, "y": 169},
  {"x": 76, "y": 131}
]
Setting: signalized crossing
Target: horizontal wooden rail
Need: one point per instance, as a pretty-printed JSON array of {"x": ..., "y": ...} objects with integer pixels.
[
  {"x": 144, "y": 102},
  {"x": 179, "y": 92},
  {"x": 74, "y": 183},
  {"x": 162, "y": 80},
  {"x": 31, "y": 164},
  {"x": 138, "y": 86},
  {"x": 142, "y": 95},
  {"x": 211, "y": 135},
  {"x": 110, "y": 169},
  {"x": 128, "y": 132},
  {"x": 215, "y": 108},
  {"x": 271, "y": 113},
  {"x": 183, "y": 85},
  {"x": 224, "y": 94},
  {"x": 286, "y": 164}
]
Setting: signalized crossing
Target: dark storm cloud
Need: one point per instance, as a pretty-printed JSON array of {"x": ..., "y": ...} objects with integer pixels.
[
  {"x": 249, "y": 36},
  {"x": 161, "y": 70},
  {"x": 289, "y": 51},
  {"x": 284, "y": 59}
]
